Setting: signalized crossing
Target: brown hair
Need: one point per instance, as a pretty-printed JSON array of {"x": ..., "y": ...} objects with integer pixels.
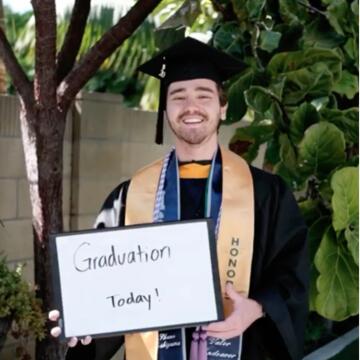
[{"x": 222, "y": 94}]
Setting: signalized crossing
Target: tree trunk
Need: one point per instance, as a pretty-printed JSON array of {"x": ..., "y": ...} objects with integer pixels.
[{"x": 43, "y": 148}]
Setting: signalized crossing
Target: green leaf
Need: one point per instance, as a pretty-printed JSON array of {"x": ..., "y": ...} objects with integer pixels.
[
  {"x": 258, "y": 133},
  {"x": 240, "y": 9},
  {"x": 265, "y": 104},
  {"x": 305, "y": 116},
  {"x": 228, "y": 37},
  {"x": 325, "y": 192},
  {"x": 167, "y": 37},
  {"x": 322, "y": 149},
  {"x": 292, "y": 12},
  {"x": 310, "y": 210},
  {"x": 275, "y": 113},
  {"x": 277, "y": 86},
  {"x": 338, "y": 283},
  {"x": 352, "y": 49},
  {"x": 237, "y": 106},
  {"x": 341, "y": 17},
  {"x": 320, "y": 103},
  {"x": 290, "y": 61},
  {"x": 291, "y": 179},
  {"x": 315, "y": 234},
  {"x": 346, "y": 120},
  {"x": 258, "y": 98},
  {"x": 269, "y": 40},
  {"x": 355, "y": 8},
  {"x": 184, "y": 16},
  {"x": 352, "y": 237},
  {"x": 247, "y": 140},
  {"x": 254, "y": 8},
  {"x": 319, "y": 34},
  {"x": 287, "y": 153},
  {"x": 287, "y": 168},
  {"x": 345, "y": 204},
  {"x": 309, "y": 73},
  {"x": 314, "y": 81},
  {"x": 345, "y": 201},
  {"x": 347, "y": 85},
  {"x": 272, "y": 156}
]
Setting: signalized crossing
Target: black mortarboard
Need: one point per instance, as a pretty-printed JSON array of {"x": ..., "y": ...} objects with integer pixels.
[{"x": 186, "y": 60}]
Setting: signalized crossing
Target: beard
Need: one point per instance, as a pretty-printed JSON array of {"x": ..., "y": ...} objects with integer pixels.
[{"x": 194, "y": 136}]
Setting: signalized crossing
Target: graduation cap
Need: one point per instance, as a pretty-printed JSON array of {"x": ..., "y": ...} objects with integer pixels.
[{"x": 186, "y": 60}]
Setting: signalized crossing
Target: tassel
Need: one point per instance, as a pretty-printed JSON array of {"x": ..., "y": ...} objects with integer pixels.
[
  {"x": 194, "y": 349},
  {"x": 198, "y": 349},
  {"x": 202, "y": 345},
  {"x": 159, "y": 137}
]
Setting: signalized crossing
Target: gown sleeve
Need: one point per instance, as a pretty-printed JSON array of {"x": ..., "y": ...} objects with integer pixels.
[
  {"x": 281, "y": 273},
  {"x": 112, "y": 214}
]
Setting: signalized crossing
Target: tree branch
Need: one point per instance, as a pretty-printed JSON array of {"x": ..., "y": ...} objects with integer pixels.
[
  {"x": 45, "y": 52},
  {"x": 108, "y": 43},
  {"x": 312, "y": 9},
  {"x": 70, "y": 48},
  {"x": 17, "y": 74}
]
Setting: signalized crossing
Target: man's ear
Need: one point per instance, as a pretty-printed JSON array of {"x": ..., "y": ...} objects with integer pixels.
[{"x": 223, "y": 110}]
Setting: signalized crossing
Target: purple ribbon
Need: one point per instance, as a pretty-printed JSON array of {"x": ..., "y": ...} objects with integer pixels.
[{"x": 198, "y": 349}]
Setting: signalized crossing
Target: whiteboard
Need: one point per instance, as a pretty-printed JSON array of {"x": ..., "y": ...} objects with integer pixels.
[{"x": 136, "y": 278}]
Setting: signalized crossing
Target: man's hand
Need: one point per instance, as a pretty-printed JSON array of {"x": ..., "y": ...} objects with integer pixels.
[
  {"x": 245, "y": 312},
  {"x": 54, "y": 315}
]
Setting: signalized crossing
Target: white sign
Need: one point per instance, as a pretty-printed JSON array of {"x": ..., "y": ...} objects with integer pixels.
[{"x": 136, "y": 278}]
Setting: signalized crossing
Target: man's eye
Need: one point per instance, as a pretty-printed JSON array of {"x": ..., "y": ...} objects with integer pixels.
[
  {"x": 178, "y": 98},
  {"x": 204, "y": 97}
]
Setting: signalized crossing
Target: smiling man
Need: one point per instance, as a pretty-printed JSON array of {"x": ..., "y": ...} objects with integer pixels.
[
  {"x": 194, "y": 112},
  {"x": 260, "y": 234}
]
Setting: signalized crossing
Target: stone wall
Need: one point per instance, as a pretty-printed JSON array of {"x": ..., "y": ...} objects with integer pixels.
[{"x": 104, "y": 144}]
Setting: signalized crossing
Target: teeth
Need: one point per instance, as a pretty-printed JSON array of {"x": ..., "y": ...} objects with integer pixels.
[{"x": 192, "y": 121}]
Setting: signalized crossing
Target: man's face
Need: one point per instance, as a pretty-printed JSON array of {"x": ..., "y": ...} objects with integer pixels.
[{"x": 193, "y": 110}]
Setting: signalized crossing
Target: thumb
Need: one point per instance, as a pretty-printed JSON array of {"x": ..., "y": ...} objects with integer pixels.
[{"x": 232, "y": 293}]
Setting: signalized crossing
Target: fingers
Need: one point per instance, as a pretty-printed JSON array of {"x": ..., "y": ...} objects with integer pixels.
[
  {"x": 225, "y": 325},
  {"x": 87, "y": 340},
  {"x": 72, "y": 342},
  {"x": 55, "y": 331},
  {"x": 54, "y": 315},
  {"x": 225, "y": 335}
]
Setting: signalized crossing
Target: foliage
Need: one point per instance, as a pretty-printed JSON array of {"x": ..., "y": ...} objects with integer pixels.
[
  {"x": 18, "y": 301},
  {"x": 20, "y": 30},
  {"x": 299, "y": 89},
  {"x": 118, "y": 73}
]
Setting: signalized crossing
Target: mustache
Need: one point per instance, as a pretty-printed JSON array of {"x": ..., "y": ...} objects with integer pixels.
[{"x": 189, "y": 113}]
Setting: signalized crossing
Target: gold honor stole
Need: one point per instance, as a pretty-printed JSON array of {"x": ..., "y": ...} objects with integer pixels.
[{"x": 235, "y": 238}]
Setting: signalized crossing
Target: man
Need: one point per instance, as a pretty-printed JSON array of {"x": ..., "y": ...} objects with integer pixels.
[{"x": 261, "y": 237}]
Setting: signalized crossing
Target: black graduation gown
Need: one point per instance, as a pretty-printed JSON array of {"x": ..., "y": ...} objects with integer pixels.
[{"x": 279, "y": 277}]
